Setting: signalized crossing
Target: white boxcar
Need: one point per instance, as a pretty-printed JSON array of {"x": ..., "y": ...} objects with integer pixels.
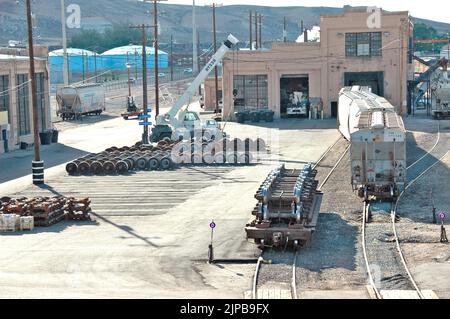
[
  {"x": 378, "y": 143},
  {"x": 82, "y": 99}
]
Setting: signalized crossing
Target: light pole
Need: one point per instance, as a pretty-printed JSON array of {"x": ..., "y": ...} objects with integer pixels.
[
  {"x": 64, "y": 40},
  {"x": 37, "y": 165}
]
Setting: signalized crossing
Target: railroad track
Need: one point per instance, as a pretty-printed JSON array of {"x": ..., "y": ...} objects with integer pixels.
[
  {"x": 393, "y": 215},
  {"x": 293, "y": 256}
]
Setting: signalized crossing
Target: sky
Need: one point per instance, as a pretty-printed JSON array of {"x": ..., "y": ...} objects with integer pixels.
[{"x": 431, "y": 9}]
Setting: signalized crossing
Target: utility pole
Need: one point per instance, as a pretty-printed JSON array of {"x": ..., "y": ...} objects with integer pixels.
[
  {"x": 64, "y": 43},
  {"x": 37, "y": 165},
  {"x": 83, "y": 65},
  {"x": 128, "y": 71},
  {"x": 194, "y": 41},
  {"x": 171, "y": 57},
  {"x": 95, "y": 66},
  {"x": 251, "y": 32},
  {"x": 143, "y": 27},
  {"x": 256, "y": 30},
  {"x": 260, "y": 28},
  {"x": 216, "y": 80},
  {"x": 198, "y": 60},
  {"x": 155, "y": 46},
  {"x": 284, "y": 30},
  {"x": 135, "y": 65},
  {"x": 155, "y": 23},
  {"x": 87, "y": 67}
]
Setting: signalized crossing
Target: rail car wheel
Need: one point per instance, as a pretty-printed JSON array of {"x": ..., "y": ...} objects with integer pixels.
[{"x": 153, "y": 164}]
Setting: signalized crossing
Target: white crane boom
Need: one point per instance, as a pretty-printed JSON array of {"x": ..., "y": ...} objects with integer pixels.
[{"x": 170, "y": 117}]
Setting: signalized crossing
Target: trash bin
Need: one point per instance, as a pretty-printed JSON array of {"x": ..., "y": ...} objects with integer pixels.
[
  {"x": 55, "y": 136},
  {"x": 254, "y": 116},
  {"x": 46, "y": 137},
  {"x": 268, "y": 116},
  {"x": 240, "y": 117}
]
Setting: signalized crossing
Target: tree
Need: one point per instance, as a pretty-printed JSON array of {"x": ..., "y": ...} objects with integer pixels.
[
  {"x": 425, "y": 32},
  {"x": 118, "y": 35}
]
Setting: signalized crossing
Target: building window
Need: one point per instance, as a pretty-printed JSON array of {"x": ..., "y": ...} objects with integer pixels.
[
  {"x": 4, "y": 93},
  {"x": 40, "y": 92},
  {"x": 250, "y": 91},
  {"x": 363, "y": 44},
  {"x": 23, "y": 109}
]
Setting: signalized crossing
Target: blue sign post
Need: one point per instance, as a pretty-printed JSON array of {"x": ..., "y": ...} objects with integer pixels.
[
  {"x": 212, "y": 225},
  {"x": 144, "y": 118}
]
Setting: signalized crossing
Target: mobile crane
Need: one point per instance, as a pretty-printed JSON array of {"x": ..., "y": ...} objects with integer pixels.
[{"x": 178, "y": 121}]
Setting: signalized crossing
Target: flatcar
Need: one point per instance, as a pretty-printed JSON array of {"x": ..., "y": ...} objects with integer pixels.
[{"x": 377, "y": 143}]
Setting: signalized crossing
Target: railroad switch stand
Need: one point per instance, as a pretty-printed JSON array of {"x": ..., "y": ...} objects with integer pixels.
[{"x": 444, "y": 238}]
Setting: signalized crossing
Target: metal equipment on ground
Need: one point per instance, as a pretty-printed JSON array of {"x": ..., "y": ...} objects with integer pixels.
[
  {"x": 132, "y": 109},
  {"x": 288, "y": 208},
  {"x": 178, "y": 123}
]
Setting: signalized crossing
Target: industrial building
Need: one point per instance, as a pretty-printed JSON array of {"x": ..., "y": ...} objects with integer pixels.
[
  {"x": 353, "y": 50},
  {"x": 87, "y": 62},
  {"x": 16, "y": 125}
]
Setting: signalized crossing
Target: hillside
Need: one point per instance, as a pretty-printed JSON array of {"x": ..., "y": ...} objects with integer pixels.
[{"x": 174, "y": 19}]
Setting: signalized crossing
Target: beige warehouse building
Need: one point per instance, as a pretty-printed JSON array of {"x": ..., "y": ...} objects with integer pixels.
[
  {"x": 16, "y": 116},
  {"x": 354, "y": 49}
]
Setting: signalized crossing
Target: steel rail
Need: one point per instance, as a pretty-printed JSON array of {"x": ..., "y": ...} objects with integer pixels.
[
  {"x": 431, "y": 149},
  {"x": 394, "y": 228},
  {"x": 333, "y": 169},
  {"x": 366, "y": 259},
  {"x": 255, "y": 279}
]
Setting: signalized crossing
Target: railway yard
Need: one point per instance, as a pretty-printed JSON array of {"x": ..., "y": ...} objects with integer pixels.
[{"x": 148, "y": 235}]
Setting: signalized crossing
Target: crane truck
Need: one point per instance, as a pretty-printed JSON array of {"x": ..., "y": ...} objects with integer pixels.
[{"x": 179, "y": 121}]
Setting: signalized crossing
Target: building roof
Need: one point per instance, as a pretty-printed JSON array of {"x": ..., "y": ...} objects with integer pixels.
[
  {"x": 131, "y": 49},
  {"x": 71, "y": 51},
  {"x": 9, "y": 57}
]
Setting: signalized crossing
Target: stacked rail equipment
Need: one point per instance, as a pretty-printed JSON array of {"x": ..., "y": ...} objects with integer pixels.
[
  {"x": 47, "y": 211},
  {"x": 288, "y": 208}
]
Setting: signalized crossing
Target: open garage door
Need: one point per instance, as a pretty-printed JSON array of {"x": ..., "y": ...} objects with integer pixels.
[
  {"x": 294, "y": 95},
  {"x": 375, "y": 80}
]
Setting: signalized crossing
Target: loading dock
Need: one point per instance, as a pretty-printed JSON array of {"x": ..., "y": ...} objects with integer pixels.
[
  {"x": 371, "y": 79},
  {"x": 294, "y": 95}
]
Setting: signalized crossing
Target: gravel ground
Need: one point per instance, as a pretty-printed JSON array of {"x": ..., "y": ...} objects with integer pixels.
[
  {"x": 279, "y": 271},
  {"x": 331, "y": 261},
  {"x": 427, "y": 258}
]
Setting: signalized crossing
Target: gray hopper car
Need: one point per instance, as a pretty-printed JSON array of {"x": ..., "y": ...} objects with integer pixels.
[{"x": 378, "y": 143}]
